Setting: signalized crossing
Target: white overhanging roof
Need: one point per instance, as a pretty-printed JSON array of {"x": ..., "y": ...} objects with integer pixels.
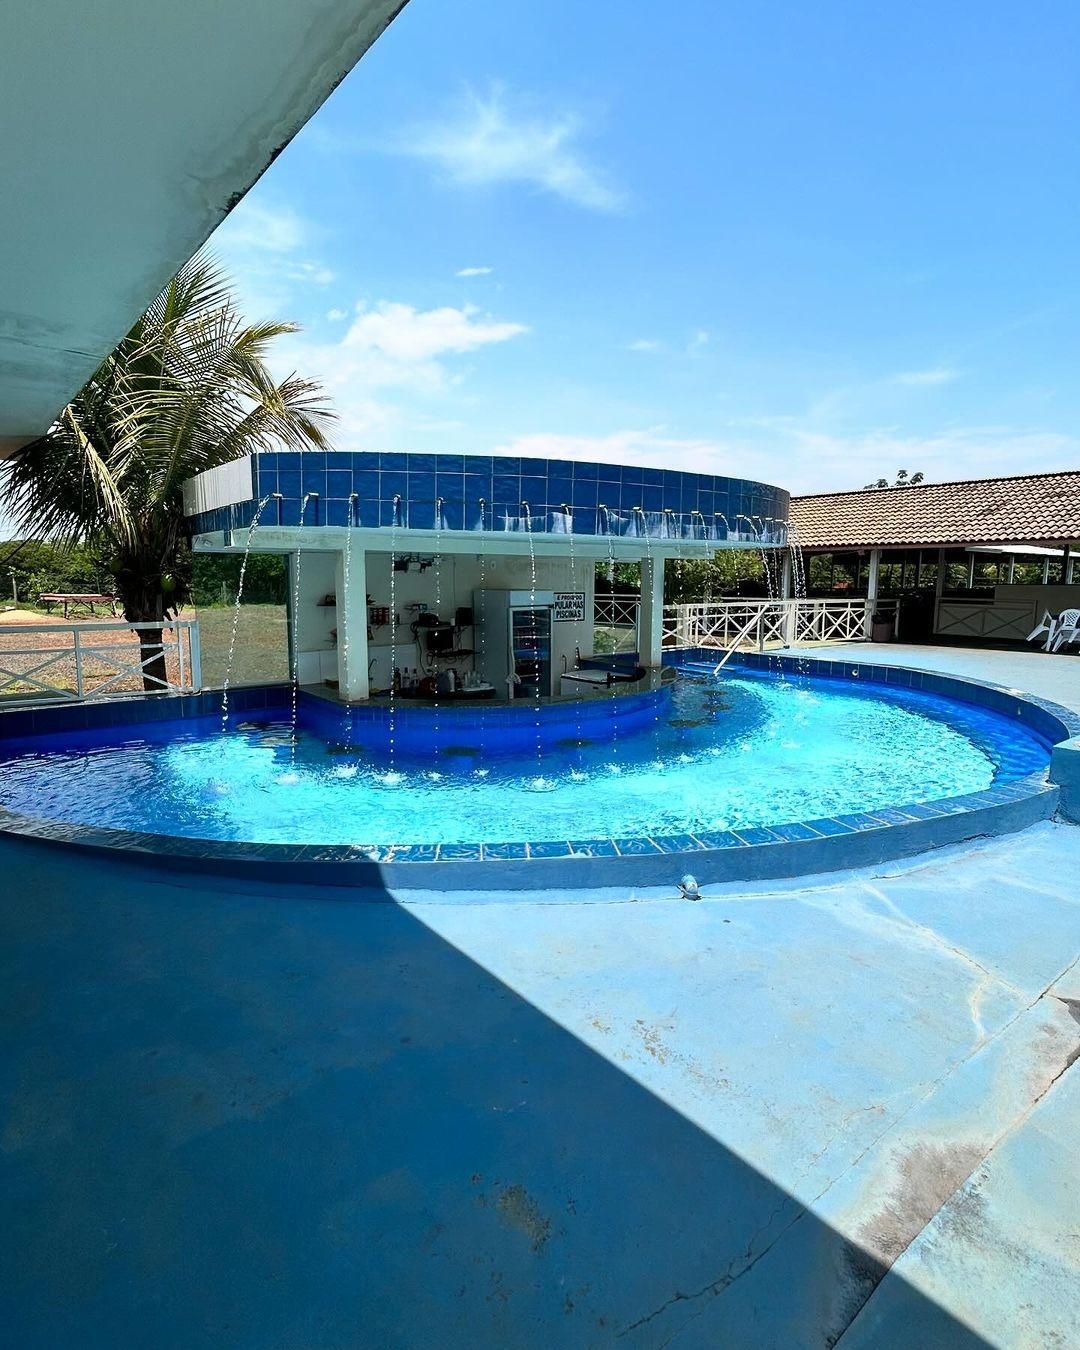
[
  {"x": 1021, "y": 550},
  {"x": 130, "y": 131}
]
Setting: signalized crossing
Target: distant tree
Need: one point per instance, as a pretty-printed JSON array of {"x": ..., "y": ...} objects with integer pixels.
[
  {"x": 30, "y": 566},
  {"x": 215, "y": 579},
  {"x": 903, "y": 479}
]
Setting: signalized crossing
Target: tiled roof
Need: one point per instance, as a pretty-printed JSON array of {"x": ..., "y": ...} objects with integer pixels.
[{"x": 1043, "y": 507}]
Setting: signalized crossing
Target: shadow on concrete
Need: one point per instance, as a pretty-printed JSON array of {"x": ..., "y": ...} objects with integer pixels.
[{"x": 299, "y": 1121}]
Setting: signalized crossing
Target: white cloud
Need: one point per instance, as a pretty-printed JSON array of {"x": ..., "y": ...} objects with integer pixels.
[
  {"x": 649, "y": 446},
  {"x": 270, "y": 254},
  {"x": 474, "y": 271},
  {"x": 336, "y": 315},
  {"x": 267, "y": 229},
  {"x": 823, "y": 462},
  {"x": 695, "y": 344},
  {"x": 410, "y": 336},
  {"x": 488, "y": 142},
  {"x": 925, "y": 378},
  {"x": 313, "y": 272},
  {"x": 804, "y": 460},
  {"x": 391, "y": 346}
]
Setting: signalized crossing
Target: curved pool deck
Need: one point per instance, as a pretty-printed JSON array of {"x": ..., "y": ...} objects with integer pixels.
[
  {"x": 784, "y": 1116},
  {"x": 787, "y": 849},
  {"x": 836, "y": 1113}
]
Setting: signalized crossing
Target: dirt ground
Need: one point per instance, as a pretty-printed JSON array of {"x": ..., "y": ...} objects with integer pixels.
[{"x": 41, "y": 648}]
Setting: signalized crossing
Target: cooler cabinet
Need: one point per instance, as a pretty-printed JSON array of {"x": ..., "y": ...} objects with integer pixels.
[{"x": 513, "y": 638}]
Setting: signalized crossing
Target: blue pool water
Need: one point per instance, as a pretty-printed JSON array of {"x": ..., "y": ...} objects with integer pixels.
[{"x": 727, "y": 752}]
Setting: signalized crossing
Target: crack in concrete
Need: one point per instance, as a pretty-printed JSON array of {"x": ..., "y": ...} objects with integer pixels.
[
  {"x": 1013, "y": 1125},
  {"x": 937, "y": 939},
  {"x": 719, "y": 1286}
]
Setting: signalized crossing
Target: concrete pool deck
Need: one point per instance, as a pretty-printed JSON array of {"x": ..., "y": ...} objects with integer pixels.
[
  {"x": 792, "y": 1115},
  {"x": 1055, "y": 677}
]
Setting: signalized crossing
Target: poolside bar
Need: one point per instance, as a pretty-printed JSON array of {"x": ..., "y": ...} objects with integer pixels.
[{"x": 467, "y": 575}]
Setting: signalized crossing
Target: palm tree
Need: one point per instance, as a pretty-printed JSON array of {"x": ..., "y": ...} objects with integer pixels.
[
  {"x": 186, "y": 390},
  {"x": 903, "y": 479}
]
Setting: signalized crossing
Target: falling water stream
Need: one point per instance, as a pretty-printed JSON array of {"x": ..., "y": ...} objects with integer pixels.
[
  {"x": 296, "y": 629},
  {"x": 568, "y": 512},
  {"x": 772, "y": 582},
  {"x": 343, "y": 627},
  {"x": 480, "y": 630},
  {"x": 236, "y": 613},
  {"x": 643, "y": 600},
  {"x": 614, "y": 765},
  {"x": 436, "y": 773},
  {"x": 392, "y": 775},
  {"x": 798, "y": 569},
  {"x": 539, "y": 782}
]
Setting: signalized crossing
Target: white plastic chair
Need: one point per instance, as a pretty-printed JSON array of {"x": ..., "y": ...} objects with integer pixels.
[
  {"x": 1048, "y": 626},
  {"x": 1067, "y": 628}
]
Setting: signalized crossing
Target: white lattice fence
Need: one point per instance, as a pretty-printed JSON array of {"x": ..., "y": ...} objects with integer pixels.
[
  {"x": 615, "y": 623},
  {"x": 760, "y": 623},
  {"x": 49, "y": 663}
]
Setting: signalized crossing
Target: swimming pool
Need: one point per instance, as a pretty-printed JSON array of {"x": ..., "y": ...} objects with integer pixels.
[{"x": 743, "y": 752}]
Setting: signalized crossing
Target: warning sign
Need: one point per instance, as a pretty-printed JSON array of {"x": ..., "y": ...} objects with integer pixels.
[{"x": 569, "y": 607}]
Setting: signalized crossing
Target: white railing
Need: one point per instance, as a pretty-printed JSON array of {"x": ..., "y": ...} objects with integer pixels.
[
  {"x": 47, "y": 663},
  {"x": 615, "y": 623},
  {"x": 726, "y": 624},
  {"x": 1010, "y": 621}
]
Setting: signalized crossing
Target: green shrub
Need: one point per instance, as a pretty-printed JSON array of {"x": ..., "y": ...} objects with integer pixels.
[{"x": 216, "y": 576}]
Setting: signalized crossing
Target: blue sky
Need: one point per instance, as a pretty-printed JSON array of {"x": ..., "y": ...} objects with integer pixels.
[{"x": 810, "y": 244}]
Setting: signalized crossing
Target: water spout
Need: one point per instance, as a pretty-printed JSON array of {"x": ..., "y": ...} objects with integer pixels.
[
  {"x": 236, "y": 613},
  {"x": 343, "y": 629},
  {"x": 298, "y": 555},
  {"x": 535, "y": 635}
]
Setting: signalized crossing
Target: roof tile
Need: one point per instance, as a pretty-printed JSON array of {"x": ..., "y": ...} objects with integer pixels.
[{"x": 1032, "y": 507}]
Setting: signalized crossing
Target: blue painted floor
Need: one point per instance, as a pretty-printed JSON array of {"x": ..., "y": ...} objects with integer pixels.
[
  {"x": 792, "y": 1117},
  {"x": 294, "y": 1120},
  {"x": 1055, "y": 677}
]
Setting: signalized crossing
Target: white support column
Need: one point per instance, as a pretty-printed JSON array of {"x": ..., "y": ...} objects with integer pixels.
[
  {"x": 195, "y": 653},
  {"x": 790, "y": 605},
  {"x": 651, "y": 612},
  {"x": 939, "y": 587},
  {"x": 352, "y": 626},
  {"x": 872, "y": 587}
]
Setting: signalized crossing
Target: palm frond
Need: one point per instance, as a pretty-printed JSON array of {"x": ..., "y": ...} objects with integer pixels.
[
  {"x": 62, "y": 487},
  {"x": 188, "y": 388}
]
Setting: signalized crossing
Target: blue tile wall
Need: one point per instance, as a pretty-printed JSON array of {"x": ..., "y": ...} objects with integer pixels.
[{"x": 503, "y": 482}]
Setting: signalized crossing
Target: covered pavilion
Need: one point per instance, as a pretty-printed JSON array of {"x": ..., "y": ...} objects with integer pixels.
[{"x": 976, "y": 559}]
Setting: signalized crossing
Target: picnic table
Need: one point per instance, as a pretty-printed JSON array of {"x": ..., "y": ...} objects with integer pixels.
[{"x": 70, "y": 601}]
